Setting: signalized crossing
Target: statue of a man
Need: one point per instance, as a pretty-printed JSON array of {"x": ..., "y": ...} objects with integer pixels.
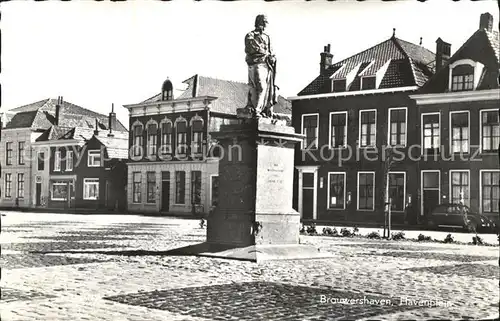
[{"x": 261, "y": 70}]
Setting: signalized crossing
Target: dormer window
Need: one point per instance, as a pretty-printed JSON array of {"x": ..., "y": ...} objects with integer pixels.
[
  {"x": 367, "y": 82},
  {"x": 167, "y": 90},
  {"x": 339, "y": 85},
  {"x": 464, "y": 75},
  {"x": 462, "y": 78}
]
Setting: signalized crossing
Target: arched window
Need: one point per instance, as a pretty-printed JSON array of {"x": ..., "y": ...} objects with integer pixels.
[
  {"x": 167, "y": 90},
  {"x": 152, "y": 128},
  {"x": 462, "y": 78},
  {"x": 181, "y": 136},
  {"x": 137, "y": 128},
  {"x": 166, "y": 136},
  {"x": 196, "y": 124}
]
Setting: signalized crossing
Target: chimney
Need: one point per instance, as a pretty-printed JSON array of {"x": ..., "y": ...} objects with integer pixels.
[
  {"x": 96, "y": 130},
  {"x": 326, "y": 60},
  {"x": 486, "y": 22},
  {"x": 443, "y": 53},
  {"x": 58, "y": 109},
  {"x": 112, "y": 121},
  {"x": 420, "y": 41}
]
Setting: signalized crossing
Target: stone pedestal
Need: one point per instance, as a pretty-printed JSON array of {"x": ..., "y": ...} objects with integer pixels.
[{"x": 254, "y": 219}]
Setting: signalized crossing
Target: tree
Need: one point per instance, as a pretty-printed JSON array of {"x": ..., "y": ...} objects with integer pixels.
[{"x": 388, "y": 161}]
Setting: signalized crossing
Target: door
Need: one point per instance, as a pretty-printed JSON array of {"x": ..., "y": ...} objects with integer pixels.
[
  {"x": 38, "y": 194},
  {"x": 431, "y": 201},
  {"x": 165, "y": 196},
  {"x": 307, "y": 196}
]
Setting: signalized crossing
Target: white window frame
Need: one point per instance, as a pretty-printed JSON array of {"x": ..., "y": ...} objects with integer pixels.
[
  {"x": 311, "y": 170},
  {"x": 52, "y": 190},
  {"x": 90, "y": 181},
  {"x": 450, "y": 174},
  {"x": 328, "y": 192},
  {"x": 69, "y": 161},
  {"x": 481, "y": 171},
  {"x": 422, "y": 149},
  {"x": 339, "y": 79},
  {"x": 451, "y": 129},
  {"x": 478, "y": 69},
  {"x": 357, "y": 191},
  {"x": 5, "y": 185},
  {"x": 57, "y": 161},
  {"x": 140, "y": 189},
  {"x": 330, "y": 129},
  {"x": 359, "y": 131},
  {"x": 481, "y": 129},
  {"x": 405, "y": 198},
  {"x": 422, "y": 187},
  {"x": 317, "y": 129},
  {"x": 389, "y": 126},
  {"x": 89, "y": 157}
]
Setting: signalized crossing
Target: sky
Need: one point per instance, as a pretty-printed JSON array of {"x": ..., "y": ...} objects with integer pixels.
[{"x": 98, "y": 53}]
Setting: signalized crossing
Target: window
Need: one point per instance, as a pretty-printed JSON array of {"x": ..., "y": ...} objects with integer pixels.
[
  {"x": 459, "y": 132},
  {"x": 152, "y": 139},
  {"x": 367, "y": 127},
  {"x": 338, "y": 129},
  {"x": 151, "y": 187},
  {"x": 197, "y": 127},
  {"x": 94, "y": 158},
  {"x": 137, "y": 140},
  {"x": 431, "y": 133},
  {"x": 490, "y": 131},
  {"x": 59, "y": 191},
  {"x": 166, "y": 138},
  {"x": 8, "y": 154},
  {"x": 336, "y": 190},
  {"x": 459, "y": 187},
  {"x": 90, "y": 188},
  {"x": 462, "y": 78},
  {"x": 57, "y": 161},
  {"x": 20, "y": 185},
  {"x": 366, "y": 187},
  {"x": 8, "y": 185},
  {"x": 180, "y": 187},
  {"x": 367, "y": 83},
  {"x": 490, "y": 191},
  {"x": 181, "y": 129},
  {"x": 339, "y": 85},
  {"x": 397, "y": 127},
  {"x": 21, "y": 153},
  {"x": 196, "y": 187},
  {"x": 41, "y": 161},
  {"x": 397, "y": 191},
  {"x": 136, "y": 188},
  {"x": 310, "y": 130},
  {"x": 215, "y": 190},
  {"x": 69, "y": 160}
]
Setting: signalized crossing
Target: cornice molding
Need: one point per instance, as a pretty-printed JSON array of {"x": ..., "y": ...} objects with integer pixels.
[{"x": 460, "y": 96}]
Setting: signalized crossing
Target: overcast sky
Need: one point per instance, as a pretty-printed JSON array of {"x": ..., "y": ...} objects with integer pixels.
[{"x": 98, "y": 53}]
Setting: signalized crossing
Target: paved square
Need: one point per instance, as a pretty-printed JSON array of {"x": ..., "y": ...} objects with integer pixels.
[{"x": 100, "y": 267}]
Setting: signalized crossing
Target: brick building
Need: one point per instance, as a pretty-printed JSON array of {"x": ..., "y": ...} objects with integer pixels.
[
  {"x": 23, "y": 125},
  {"x": 82, "y": 167},
  {"x": 458, "y": 119},
  {"x": 171, "y": 168},
  {"x": 344, "y": 114}
]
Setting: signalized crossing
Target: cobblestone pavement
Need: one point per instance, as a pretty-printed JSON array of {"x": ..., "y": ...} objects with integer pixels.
[{"x": 77, "y": 267}]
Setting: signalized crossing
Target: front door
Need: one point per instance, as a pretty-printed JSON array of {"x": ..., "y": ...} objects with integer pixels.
[
  {"x": 431, "y": 201},
  {"x": 38, "y": 194},
  {"x": 307, "y": 196},
  {"x": 431, "y": 193},
  {"x": 165, "y": 196}
]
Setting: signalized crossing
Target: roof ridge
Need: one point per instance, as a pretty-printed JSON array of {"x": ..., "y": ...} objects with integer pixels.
[
  {"x": 413, "y": 44},
  {"x": 359, "y": 53}
]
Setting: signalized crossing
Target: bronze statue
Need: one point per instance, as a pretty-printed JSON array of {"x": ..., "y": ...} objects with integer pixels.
[{"x": 261, "y": 71}]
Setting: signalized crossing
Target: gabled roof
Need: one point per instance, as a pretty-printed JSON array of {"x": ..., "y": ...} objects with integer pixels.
[
  {"x": 230, "y": 95},
  {"x": 407, "y": 67},
  {"x": 40, "y": 115},
  {"x": 116, "y": 147},
  {"x": 477, "y": 48}
]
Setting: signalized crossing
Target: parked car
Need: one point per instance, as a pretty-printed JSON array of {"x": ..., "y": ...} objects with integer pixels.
[{"x": 458, "y": 215}]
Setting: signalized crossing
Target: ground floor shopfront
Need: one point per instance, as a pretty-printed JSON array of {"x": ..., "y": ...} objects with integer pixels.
[
  {"x": 178, "y": 187},
  {"x": 351, "y": 196}
]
